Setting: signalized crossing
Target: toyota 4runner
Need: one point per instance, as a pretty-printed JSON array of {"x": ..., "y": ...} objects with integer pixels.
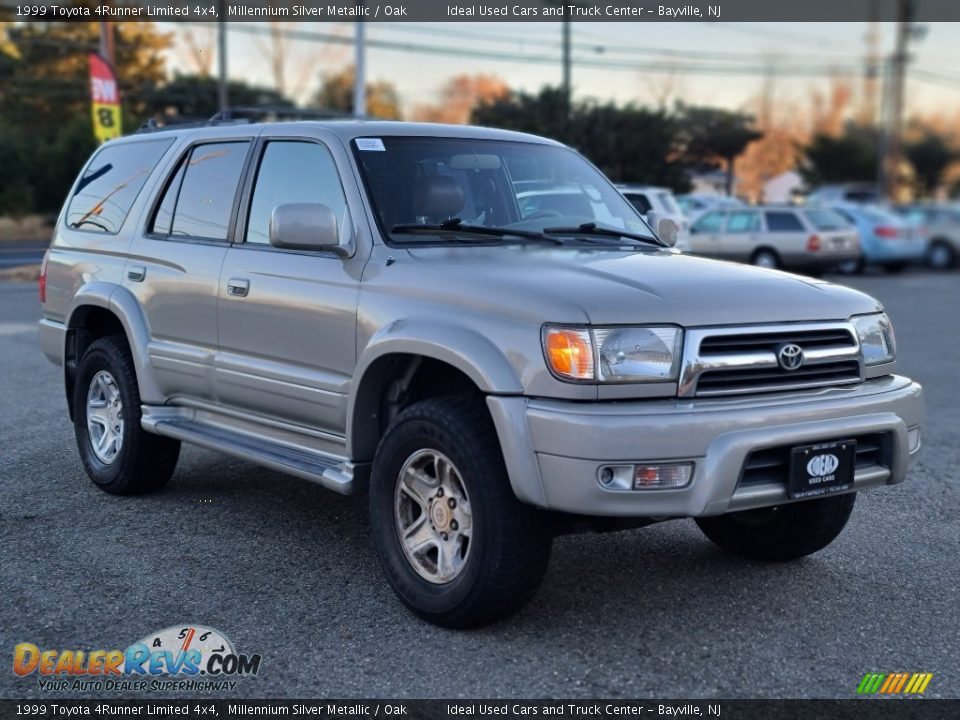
[{"x": 385, "y": 308}]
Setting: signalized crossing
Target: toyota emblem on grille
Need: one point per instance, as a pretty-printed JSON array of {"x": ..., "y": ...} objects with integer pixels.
[{"x": 790, "y": 356}]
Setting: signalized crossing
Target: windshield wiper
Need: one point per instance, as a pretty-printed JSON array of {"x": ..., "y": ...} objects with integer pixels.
[
  {"x": 456, "y": 225},
  {"x": 594, "y": 229}
]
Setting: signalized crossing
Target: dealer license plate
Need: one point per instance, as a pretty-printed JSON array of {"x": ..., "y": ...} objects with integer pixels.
[{"x": 822, "y": 469}]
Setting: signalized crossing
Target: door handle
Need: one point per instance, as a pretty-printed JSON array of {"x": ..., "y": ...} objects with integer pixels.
[
  {"x": 136, "y": 273},
  {"x": 238, "y": 287}
]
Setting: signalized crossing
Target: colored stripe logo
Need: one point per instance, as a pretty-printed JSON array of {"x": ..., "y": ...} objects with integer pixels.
[{"x": 898, "y": 683}]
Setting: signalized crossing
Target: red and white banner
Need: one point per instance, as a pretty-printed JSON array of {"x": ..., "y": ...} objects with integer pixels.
[{"x": 105, "y": 97}]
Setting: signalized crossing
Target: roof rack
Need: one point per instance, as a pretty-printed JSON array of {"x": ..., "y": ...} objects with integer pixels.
[
  {"x": 173, "y": 123},
  {"x": 263, "y": 113},
  {"x": 272, "y": 113}
]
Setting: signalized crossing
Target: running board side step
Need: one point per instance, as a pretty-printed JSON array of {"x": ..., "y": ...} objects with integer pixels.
[{"x": 332, "y": 472}]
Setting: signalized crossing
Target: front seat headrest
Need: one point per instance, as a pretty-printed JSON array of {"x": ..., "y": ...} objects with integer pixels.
[{"x": 438, "y": 196}]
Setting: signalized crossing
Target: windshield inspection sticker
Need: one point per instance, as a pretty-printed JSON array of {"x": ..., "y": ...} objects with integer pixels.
[{"x": 370, "y": 144}]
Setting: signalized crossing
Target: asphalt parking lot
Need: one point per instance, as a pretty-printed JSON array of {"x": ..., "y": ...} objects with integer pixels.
[{"x": 285, "y": 568}]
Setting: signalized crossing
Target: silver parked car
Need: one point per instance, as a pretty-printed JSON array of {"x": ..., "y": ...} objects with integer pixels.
[
  {"x": 808, "y": 239},
  {"x": 656, "y": 203},
  {"x": 941, "y": 224},
  {"x": 389, "y": 309}
]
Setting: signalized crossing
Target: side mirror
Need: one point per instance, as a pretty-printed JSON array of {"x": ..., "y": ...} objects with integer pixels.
[
  {"x": 305, "y": 226},
  {"x": 668, "y": 230}
]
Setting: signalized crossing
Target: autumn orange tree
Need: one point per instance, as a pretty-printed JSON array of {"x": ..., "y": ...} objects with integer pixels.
[{"x": 459, "y": 95}]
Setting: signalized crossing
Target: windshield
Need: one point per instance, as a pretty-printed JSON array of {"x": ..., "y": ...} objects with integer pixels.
[{"x": 502, "y": 185}]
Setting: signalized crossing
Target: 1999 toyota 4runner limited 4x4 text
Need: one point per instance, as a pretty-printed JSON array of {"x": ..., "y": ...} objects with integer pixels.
[{"x": 474, "y": 327}]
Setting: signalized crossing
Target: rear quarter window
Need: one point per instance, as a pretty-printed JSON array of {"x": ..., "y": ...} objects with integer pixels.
[
  {"x": 783, "y": 221},
  {"x": 110, "y": 184}
]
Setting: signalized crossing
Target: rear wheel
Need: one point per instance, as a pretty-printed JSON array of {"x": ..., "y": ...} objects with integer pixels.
[
  {"x": 118, "y": 454},
  {"x": 783, "y": 532},
  {"x": 851, "y": 267},
  {"x": 765, "y": 257},
  {"x": 941, "y": 255},
  {"x": 456, "y": 545}
]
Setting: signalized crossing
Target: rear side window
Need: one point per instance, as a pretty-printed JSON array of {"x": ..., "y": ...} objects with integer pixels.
[
  {"x": 743, "y": 221},
  {"x": 783, "y": 222},
  {"x": 110, "y": 185},
  {"x": 198, "y": 200},
  {"x": 293, "y": 172}
]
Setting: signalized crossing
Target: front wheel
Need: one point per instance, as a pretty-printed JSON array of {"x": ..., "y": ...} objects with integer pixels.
[
  {"x": 118, "y": 454},
  {"x": 456, "y": 545},
  {"x": 783, "y": 532}
]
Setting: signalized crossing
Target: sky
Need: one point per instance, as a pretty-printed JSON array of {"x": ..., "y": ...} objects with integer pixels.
[{"x": 721, "y": 64}]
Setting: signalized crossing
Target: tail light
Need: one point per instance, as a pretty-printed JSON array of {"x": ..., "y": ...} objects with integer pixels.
[
  {"x": 813, "y": 243},
  {"x": 43, "y": 277},
  {"x": 885, "y": 231}
]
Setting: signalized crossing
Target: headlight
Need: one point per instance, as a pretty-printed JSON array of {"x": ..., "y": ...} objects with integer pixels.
[
  {"x": 618, "y": 354},
  {"x": 876, "y": 338}
]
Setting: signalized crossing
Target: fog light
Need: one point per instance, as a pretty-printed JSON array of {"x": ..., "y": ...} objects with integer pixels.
[
  {"x": 651, "y": 477},
  {"x": 616, "y": 477},
  {"x": 913, "y": 439},
  {"x": 645, "y": 477}
]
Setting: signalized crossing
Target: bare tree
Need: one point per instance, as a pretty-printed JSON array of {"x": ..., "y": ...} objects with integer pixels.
[{"x": 200, "y": 43}]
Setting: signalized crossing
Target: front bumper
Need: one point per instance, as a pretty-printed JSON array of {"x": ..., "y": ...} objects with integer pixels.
[{"x": 554, "y": 449}]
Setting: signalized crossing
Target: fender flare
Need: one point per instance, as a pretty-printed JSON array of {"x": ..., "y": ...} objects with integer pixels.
[
  {"x": 462, "y": 348},
  {"x": 124, "y": 305}
]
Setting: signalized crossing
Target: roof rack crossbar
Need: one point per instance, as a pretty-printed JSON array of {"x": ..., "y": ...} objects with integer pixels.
[{"x": 276, "y": 112}]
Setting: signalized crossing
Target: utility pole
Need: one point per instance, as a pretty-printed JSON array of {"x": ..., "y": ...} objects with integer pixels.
[
  {"x": 360, "y": 70},
  {"x": 898, "y": 70},
  {"x": 223, "y": 96},
  {"x": 567, "y": 88},
  {"x": 107, "y": 50},
  {"x": 871, "y": 68}
]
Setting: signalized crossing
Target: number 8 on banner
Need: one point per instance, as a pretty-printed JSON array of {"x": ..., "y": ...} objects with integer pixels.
[{"x": 105, "y": 97}]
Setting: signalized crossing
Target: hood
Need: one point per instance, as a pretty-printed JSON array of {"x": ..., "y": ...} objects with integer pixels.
[{"x": 601, "y": 286}]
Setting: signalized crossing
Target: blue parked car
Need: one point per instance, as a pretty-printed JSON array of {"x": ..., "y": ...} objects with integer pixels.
[{"x": 886, "y": 239}]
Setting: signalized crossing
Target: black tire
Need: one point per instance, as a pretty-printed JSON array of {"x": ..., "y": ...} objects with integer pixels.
[
  {"x": 786, "y": 532},
  {"x": 510, "y": 542},
  {"x": 766, "y": 257},
  {"x": 851, "y": 267},
  {"x": 145, "y": 462},
  {"x": 941, "y": 255},
  {"x": 895, "y": 268}
]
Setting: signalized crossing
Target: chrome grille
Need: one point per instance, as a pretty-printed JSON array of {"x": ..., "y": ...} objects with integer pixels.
[{"x": 742, "y": 361}]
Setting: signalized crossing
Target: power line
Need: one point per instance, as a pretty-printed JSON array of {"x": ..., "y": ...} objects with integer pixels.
[{"x": 621, "y": 64}]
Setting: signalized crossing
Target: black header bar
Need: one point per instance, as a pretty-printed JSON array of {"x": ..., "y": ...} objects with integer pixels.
[{"x": 478, "y": 10}]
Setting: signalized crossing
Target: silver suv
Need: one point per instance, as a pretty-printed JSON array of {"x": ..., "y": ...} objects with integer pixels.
[{"x": 377, "y": 307}]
